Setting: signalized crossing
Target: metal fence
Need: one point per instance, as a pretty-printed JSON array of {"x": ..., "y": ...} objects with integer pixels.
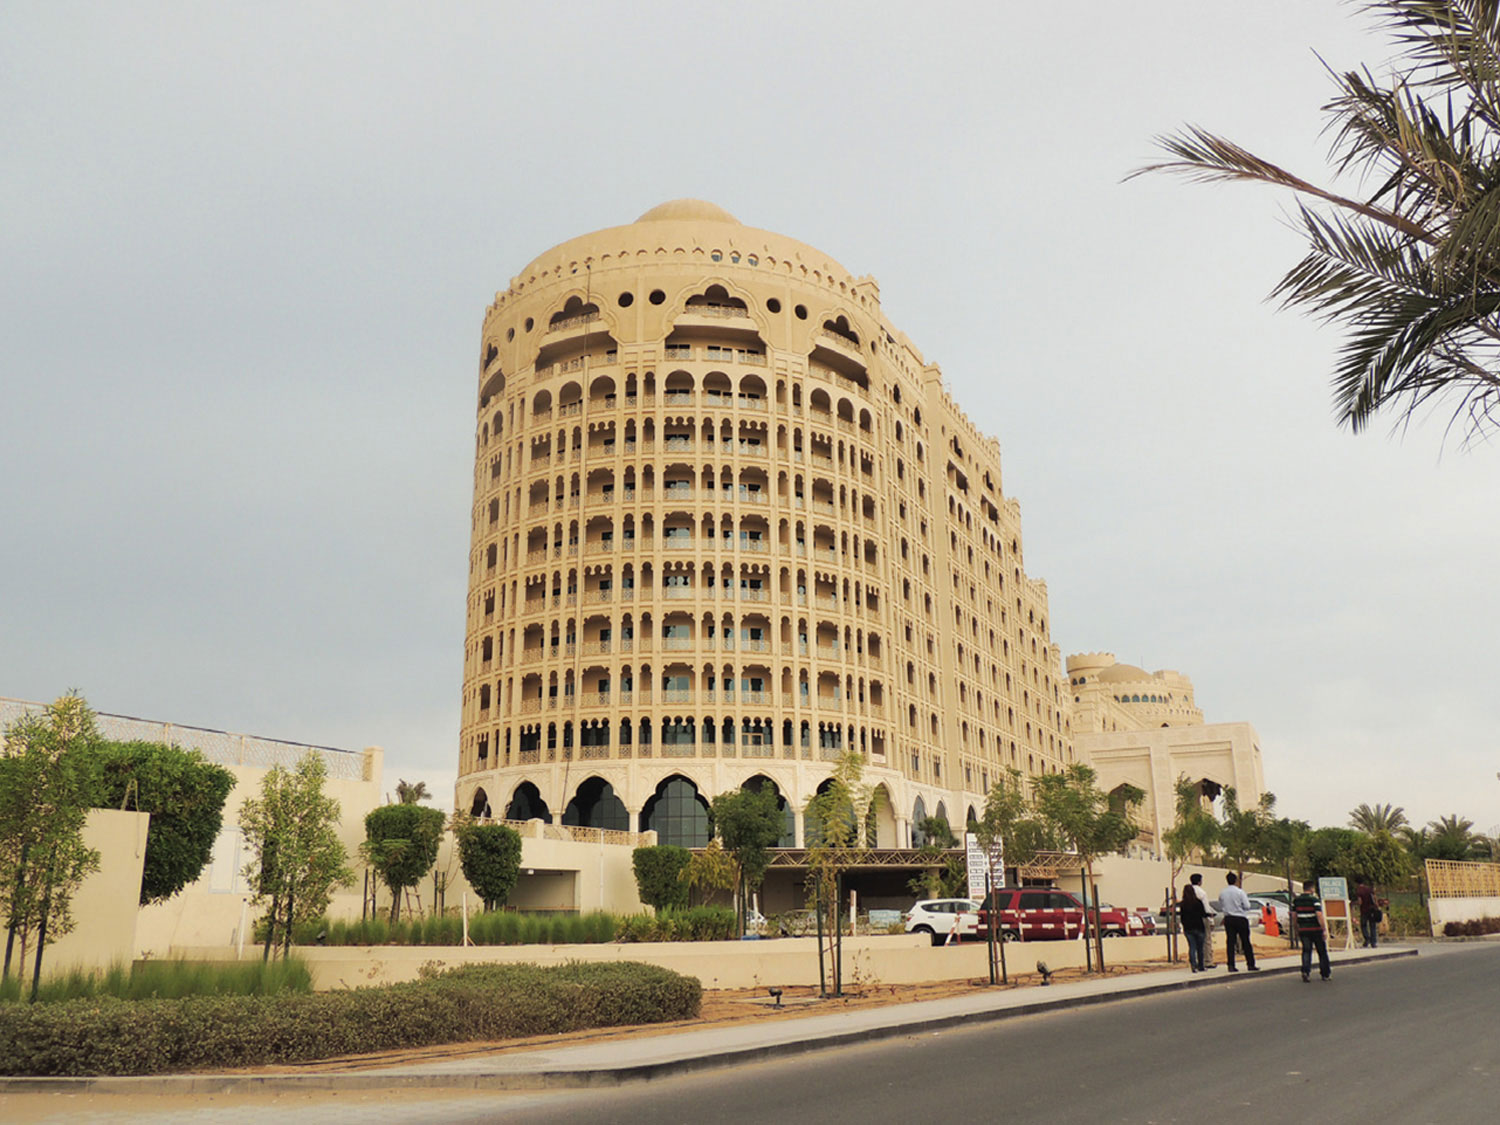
[
  {"x": 1453, "y": 879},
  {"x": 218, "y": 746}
]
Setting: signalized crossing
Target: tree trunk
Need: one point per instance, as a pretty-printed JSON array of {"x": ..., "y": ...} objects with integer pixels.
[
  {"x": 1093, "y": 907},
  {"x": 271, "y": 917},
  {"x": 286, "y": 934},
  {"x": 10, "y": 936},
  {"x": 395, "y": 905},
  {"x": 41, "y": 937}
]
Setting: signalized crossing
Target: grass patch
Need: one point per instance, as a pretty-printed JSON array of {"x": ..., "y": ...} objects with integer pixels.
[
  {"x": 171, "y": 979},
  {"x": 103, "y": 1035}
]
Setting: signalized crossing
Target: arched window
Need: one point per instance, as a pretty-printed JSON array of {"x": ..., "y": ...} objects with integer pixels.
[
  {"x": 527, "y": 804},
  {"x": 595, "y": 805},
  {"x": 677, "y": 813}
]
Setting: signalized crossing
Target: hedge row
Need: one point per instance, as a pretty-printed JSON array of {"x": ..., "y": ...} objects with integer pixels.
[
  {"x": 1477, "y": 928},
  {"x": 508, "y": 927},
  {"x": 172, "y": 978},
  {"x": 471, "y": 1003}
]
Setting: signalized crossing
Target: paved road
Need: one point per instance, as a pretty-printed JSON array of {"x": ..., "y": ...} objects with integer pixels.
[
  {"x": 1414, "y": 1040},
  {"x": 1411, "y": 1040}
]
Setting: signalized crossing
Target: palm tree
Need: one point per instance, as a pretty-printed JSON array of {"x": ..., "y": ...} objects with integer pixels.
[
  {"x": 410, "y": 792},
  {"x": 1409, "y": 263},
  {"x": 1370, "y": 819},
  {"x": 1450, "y": 837}
]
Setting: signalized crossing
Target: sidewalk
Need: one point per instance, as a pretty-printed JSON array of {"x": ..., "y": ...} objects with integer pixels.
[{"x": 655, "y": 1056}]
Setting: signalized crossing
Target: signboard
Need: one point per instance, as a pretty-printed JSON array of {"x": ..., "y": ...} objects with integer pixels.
[
  {"x": 1333, "y": 888},
  {"x": 1334, "y": 891},
  {"x": 977, "y": 865}
]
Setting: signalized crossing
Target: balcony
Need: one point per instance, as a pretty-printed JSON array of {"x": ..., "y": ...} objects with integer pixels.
[{"x": 570, "y": 323}]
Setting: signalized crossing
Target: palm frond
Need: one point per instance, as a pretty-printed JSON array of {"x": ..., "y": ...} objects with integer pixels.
[{"x": 1411, "y": 267}]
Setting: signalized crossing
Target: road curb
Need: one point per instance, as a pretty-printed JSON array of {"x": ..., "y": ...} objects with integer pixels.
[{"x": 604, "y": 1076}]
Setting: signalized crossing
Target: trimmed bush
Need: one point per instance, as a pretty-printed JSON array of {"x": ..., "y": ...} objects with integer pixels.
[
  {"x": 1475, "y": 928},
  {"x": 698, "y": 923},
  {"x": 471, "y": 1003}
]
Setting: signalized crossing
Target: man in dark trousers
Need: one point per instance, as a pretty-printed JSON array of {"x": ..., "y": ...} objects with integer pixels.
[
  {"x": 1370, "y": 913},
  {"x": 1234, "y": 904},
  {"x": 1312, "y": 930}
]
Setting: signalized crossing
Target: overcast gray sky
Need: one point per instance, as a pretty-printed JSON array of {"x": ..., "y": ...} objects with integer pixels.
[{"x": 247, "y": 249}]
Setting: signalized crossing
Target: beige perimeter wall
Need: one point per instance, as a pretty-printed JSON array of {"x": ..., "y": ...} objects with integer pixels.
[{"x": 106, "y": 905}]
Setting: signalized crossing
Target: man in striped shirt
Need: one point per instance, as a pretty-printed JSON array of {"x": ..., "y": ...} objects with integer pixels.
[{"x": 1312, "y": 930}]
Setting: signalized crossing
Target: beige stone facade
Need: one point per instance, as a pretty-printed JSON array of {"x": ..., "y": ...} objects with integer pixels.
[
  {"x": 1144, "y": 728},
  {"x": 727, "y": 523}
]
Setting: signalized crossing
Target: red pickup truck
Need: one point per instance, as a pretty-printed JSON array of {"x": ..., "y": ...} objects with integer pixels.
[{"x": 1045, "y": 914}]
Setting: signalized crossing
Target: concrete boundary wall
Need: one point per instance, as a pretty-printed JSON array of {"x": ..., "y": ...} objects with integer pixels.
[
  {"x": 1444, "y": 910},
  {"x": 882, "y": 959}
]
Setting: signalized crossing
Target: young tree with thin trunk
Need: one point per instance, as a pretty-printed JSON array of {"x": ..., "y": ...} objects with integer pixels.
[
  {"x": 292, "y": 832},
  {"x": 401, "y": 845},
  {"x": 835, "y": 826},
  {"x": 1094, "y": 822},
  {"x": 1242, "y": 833},
  {"x": 490, "y": 855},
  {"x": 1193, "y": 835},
  {"x": 1010, "y": 821},
  {"x": 749, "y": 822},
  {"x": 47, "y": 786}
]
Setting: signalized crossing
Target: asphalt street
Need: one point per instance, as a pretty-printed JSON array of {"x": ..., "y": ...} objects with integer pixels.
[{"x": 1413, "y": 1040}]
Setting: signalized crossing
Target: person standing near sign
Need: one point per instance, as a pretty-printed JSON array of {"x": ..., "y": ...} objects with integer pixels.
[
  {"x": 1194, "y": 914},
  {"x": 1234, "y": 904},
  {"x": 1312, "y": 930},
  {"x": 1370, "y": 914}
]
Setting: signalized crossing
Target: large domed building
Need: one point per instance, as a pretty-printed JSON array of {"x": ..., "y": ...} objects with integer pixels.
[{"x": 727, "y": 525}]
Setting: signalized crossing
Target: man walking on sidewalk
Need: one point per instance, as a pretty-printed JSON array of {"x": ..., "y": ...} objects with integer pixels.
[
  {"x": 1312, "y": 930},
  {"x": 1234, "y": 904}
]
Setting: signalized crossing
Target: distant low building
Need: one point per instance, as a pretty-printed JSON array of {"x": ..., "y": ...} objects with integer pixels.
[{"x": 1145, "y": 729}]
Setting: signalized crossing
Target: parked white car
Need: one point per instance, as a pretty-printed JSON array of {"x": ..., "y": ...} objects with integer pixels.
[{"x": 938, "y": 917}]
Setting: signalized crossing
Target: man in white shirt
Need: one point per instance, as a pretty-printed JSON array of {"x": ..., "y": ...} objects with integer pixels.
[{"x": 1234, "y": 904}]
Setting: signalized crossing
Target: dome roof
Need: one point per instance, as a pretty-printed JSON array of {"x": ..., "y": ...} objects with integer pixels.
[
  {"x": 688, "y": 210},
  {"x": 1123, "y": 673}
]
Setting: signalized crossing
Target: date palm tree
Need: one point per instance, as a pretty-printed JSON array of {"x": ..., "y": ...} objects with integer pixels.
[
  {"x": 1378, "y": 818},
  {"x": 411, "y": 792},
  {"x": 1406, "y": 259}
]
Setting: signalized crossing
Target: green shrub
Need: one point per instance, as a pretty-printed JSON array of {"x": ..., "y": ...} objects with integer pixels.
[
  {"x": 1409, "y": 920},
  {"x": 472, "y": 1003},
  {"x": 658, "y": 874},
  {"x": 637, "y": 927},
  {"x": 698, "y": 923}
]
